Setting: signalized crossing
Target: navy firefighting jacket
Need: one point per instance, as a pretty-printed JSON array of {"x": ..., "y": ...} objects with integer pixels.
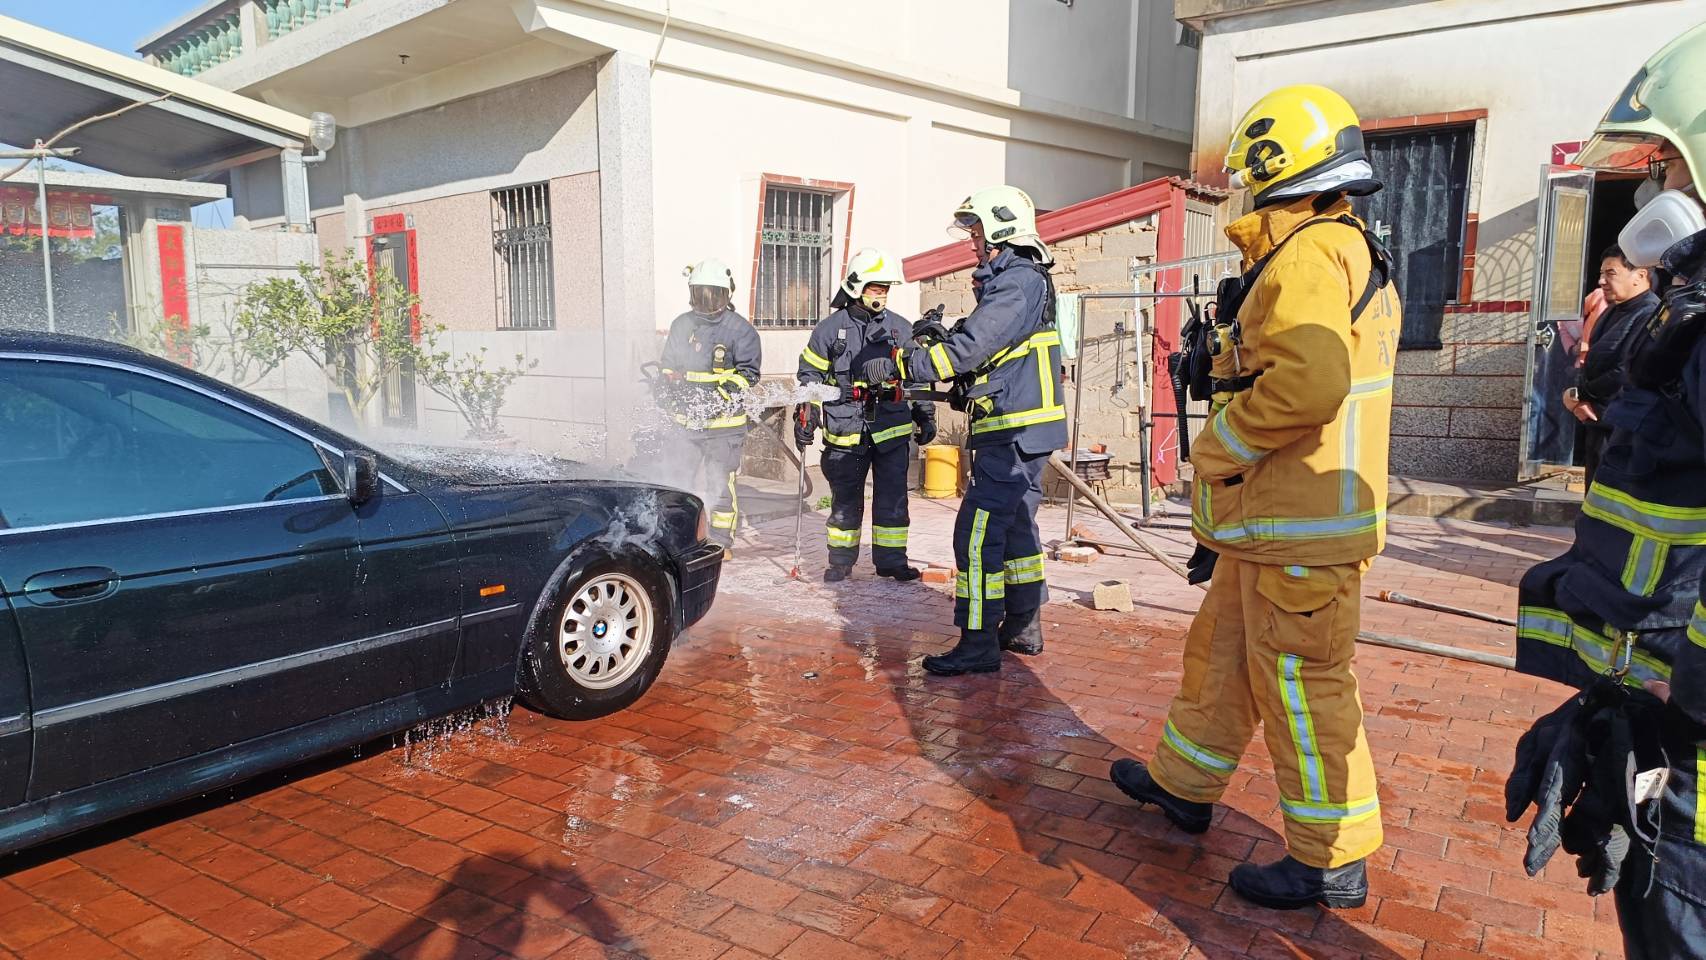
[
  {"x": 835, "y": 354},
  {"x": 1010, "y": 349}
]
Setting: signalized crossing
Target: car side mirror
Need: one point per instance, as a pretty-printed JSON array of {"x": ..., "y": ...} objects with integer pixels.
[{"x": 361, "y": 476}]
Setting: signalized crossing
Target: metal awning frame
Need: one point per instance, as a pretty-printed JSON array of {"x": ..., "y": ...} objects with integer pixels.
[{"x": 138, "y": 94}]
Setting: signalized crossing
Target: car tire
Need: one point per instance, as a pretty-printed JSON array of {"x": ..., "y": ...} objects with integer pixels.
[{"x": 599, "y": 641}]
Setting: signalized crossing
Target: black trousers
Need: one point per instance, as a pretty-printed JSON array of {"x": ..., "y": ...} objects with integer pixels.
[
  {"x": 846, "y": 468},
  {"x": 1669, "y": 923},
  {"x": 996, "y": 543}
]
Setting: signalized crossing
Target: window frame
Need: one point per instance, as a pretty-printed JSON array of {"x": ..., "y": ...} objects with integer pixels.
[
  {"x": 322, "y": 447},
  {"x": 841, "y": 197},
  {"x": 504, "y": 284},
  {"x": 1473, "y": 125}
]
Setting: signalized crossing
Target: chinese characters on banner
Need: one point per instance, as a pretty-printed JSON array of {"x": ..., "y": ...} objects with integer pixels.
[{"x": 68, "y": 213}]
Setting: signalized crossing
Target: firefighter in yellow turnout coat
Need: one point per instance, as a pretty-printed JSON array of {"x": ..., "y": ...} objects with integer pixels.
[{"x": 1290, "y": 496}]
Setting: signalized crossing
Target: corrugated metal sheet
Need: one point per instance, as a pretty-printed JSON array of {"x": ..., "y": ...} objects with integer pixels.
[{"x": 1420, "y": 214}]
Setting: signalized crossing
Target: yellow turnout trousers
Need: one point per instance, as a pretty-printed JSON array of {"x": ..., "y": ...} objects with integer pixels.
[{"x": 1274, "y": 644}]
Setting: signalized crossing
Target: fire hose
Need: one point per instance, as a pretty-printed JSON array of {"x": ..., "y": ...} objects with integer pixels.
[{"x": 1374, "y": 639}]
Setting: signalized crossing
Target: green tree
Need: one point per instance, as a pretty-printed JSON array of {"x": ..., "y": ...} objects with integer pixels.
[
  {"x": 355, "y": 326},
  {"x": 476, "y": 392}
]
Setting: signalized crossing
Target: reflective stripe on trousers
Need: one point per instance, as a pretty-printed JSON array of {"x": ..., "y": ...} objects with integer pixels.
[
  {"x": 1250, "y": 660},
  {"x": 996, "y": 541},
  {"x": 845, "y": 471}
]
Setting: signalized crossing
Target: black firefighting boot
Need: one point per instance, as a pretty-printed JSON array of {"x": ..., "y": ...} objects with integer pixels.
[
  {"x": 901, "y": 574},
  {"x": 977, "y": 652},
  {"x": 1290, "y": 885},
  {"x": 835, "y": 573},
  {"x": 1022, "y": 633},
  {"x": 1134, "y": 780}
]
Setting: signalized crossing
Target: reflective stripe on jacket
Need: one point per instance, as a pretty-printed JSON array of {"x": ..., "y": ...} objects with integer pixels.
[
  {"x": 718, "y": 359},
  {"x": 1639, "y": 556},
  {"x": 1014, "y": 351},
  {"x": 1293, "y": 470},
  {"x": 836, "y": 351}
]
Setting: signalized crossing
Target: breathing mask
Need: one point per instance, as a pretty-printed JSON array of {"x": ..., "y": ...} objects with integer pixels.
[
  {"x": 875, "y": 297},
  {"x": 1664, "y": 218}
]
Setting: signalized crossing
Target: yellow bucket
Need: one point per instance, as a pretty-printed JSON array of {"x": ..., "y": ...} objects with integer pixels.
[{"x": 941, "y": 472}]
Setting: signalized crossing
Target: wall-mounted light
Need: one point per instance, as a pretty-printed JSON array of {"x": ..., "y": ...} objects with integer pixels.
[{"x": 322, "y": 133}]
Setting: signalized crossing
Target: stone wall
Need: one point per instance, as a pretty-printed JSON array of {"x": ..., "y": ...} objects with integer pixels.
[
  {"x": 1096, "y": 262},
  {"x": 1457, "y": 412}
]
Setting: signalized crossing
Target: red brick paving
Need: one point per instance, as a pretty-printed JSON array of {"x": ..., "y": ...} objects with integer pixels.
[{"x": 794, "y": 788}]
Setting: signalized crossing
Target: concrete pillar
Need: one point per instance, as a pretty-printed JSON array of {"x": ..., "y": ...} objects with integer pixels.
[
  {"x": 625, "y": 218},
  {"x": 295, "y": 179},
  {"x": 251, "y": 26}
]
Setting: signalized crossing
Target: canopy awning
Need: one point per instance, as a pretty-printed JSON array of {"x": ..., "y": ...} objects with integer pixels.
[{"x": 190, "y": 129}]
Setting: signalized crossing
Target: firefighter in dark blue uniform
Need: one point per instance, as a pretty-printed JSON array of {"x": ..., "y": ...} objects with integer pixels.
[
  {"x": 868, "y": 432},
  {"x": 1620, "y": 616},
  {"x": 710, "y": 359},
  {"x": 1005, "y": 357}
]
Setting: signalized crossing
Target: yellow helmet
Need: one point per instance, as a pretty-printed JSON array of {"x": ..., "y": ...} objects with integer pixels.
[{"x": 1292, "y": 133}]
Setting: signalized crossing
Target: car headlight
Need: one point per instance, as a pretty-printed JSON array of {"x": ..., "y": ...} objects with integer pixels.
[{"x": 704, "y": 530}]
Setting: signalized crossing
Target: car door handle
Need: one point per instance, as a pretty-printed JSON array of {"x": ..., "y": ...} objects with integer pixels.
[{"x": 70, "y": 586}]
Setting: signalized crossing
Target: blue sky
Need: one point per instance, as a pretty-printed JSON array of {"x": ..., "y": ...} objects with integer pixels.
[{"x": 116, "y": 25}]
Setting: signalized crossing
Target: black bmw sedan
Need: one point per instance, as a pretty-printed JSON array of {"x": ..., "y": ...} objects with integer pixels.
[{"x": 197, "y": 585}]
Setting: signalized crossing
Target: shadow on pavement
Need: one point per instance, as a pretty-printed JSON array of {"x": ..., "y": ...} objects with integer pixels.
[
  {"x": 481, "y": 903},
  {"x": 1073, "y": 849}
]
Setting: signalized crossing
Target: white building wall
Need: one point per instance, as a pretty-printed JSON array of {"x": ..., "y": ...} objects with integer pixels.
[
  {"x": 911, "y": 150},
  {"x": 915, "y": 104}
]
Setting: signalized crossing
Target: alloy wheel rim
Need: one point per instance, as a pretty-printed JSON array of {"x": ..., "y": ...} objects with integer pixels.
[{"x": 606, "y": 631}]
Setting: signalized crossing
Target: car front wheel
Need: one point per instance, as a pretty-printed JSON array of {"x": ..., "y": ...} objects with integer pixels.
[{"x": 600, "y": 641}]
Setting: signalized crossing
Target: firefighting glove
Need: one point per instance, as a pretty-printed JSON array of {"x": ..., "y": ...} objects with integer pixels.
[
  {"x": 923, "y": 423},
  {"x": 1599, "y": 829},
  {"x": 879, "y": 370},
  {"x": 1533, "y": 752},
  {"x": 1562, "y": 779},
  {"x": 806, "y": 420},
  {"x": 1200, "y": 566}
]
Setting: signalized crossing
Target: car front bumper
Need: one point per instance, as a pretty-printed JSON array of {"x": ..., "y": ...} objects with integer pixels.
[{"x": 700, "y": 568}]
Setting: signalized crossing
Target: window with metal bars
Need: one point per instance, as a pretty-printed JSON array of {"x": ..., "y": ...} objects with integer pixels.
[
  {"x": 521, "y": 257},
  {"x": 795, "y": 276},
  {"x": 1421, "y": 215}
]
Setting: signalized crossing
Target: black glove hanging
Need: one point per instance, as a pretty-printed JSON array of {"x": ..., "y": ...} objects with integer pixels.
[{"x": 923, "y": 424}]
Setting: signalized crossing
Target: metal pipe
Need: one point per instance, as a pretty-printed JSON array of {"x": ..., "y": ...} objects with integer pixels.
[
  {"x": 1393, "y": 596},
  {"x": 1077, "y": 402},
  {"x": 46, "y": 243},
  {"x": 1375, "y": 639},
  {"x": 1436, "y": 649},
  {"x": 1140, "y": 323},
  {"x": 1107, "y": 511}
]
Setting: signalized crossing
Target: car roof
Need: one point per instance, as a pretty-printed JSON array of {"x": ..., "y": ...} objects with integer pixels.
[{"x": 37, "y": 341}]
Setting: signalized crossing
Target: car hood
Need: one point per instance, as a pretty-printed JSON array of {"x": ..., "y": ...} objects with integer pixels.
[{"x": 485, "y": 466}]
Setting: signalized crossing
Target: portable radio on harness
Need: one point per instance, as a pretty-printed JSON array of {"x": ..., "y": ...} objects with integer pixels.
[{"x": 1202, "y": 338}]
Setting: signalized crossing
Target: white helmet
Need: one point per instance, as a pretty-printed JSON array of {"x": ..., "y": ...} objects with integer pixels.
[
  {"x": 1007, "y": 215},
  {"x": 711, "y": 272},
  {"x": 870, "y": 265}
]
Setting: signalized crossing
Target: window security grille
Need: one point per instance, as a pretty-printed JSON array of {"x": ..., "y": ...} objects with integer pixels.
[
  {"x": 795, "y": 276},
  {"x": 521, "y": 257}
]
